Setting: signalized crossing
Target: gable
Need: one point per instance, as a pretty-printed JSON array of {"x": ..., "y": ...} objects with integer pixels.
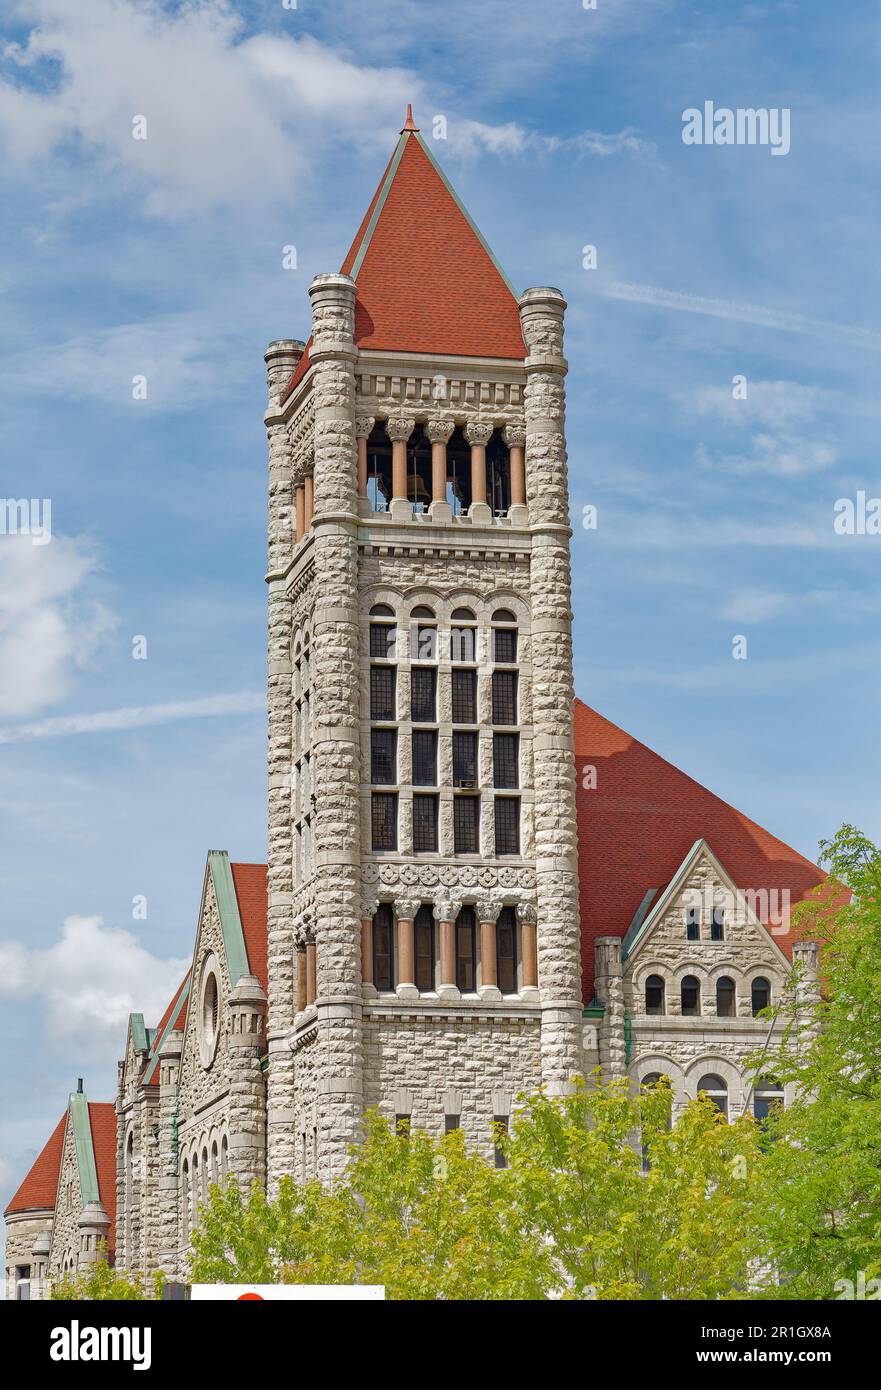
[
  {"x": 638, "y": 823},
  {"x": 38, "y": 1189}
]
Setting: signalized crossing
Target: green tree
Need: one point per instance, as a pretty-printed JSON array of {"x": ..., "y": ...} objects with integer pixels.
[
  {"x": 99, "y": 1283},
  {"x": 822, "y": 1179}
]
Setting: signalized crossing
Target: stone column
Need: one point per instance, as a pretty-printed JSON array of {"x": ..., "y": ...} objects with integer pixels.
[
  {"x": 406, "y": 913},
  {"x": 367, "y": 950},
  {"x": 363, "y": 425},
  {"x": 336, "y": 726},
  {"x": 806, "y": 959},
  {"x": 308, "y": 501},
  {"x": 281, "y": 366},
  {"x": 300, "y": 956},
  {"x": 311, "y": 972},
  {"x": 556, "y": 836},
  {"x": 247, "y": 1086},
  {"x": 399, "y": 431},
  {"x": 445, "y": 916},
  {"x": 610, "y": 992},
  {"x": 527, "y": 917},
  {"x": 169, "y": 1229},
  {"x": 300, "y": 509},
  {"x": 515, "y": 438},
  {"x": 477, "y": 432},
  {"x": 40, "y": 1265},
  {"x": 439, "y": 431},
  {"x": 94, "y": 1228},
  {"x": 487, "y": 916}
]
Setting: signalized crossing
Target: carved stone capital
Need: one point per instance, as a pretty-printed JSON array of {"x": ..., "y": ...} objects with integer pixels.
[
  {"x": 399, "y": 428},
  {"x": 439, "y": 429},
  {"x": 515, "y": 436},
  {"x": 487, "y": 910},
  {"x": 527, "y": 912},
  {"x": 363, "y": 425},
  {"x": 369, "y": 905},
  {"x": 406, "y": 908},
  {"x": 445, "y": 910},
  {"x": 478, "y": 431}
]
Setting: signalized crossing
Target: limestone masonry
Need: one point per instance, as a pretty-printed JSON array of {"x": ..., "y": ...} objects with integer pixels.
[{"x": 476, "y": 885}]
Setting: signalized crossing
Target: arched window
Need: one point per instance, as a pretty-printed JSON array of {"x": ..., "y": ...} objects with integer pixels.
[
  {"x": 768, "y": 1095},
  {"x": 464, "y": 615},
  {"x": 379, "y": 467},
  {"x": 761, "y": 994},
  {"x": 193, "y": 1203},
  {"x": 654, "y": 995},
  {"x": 205, "y": 1174},
  {"x": 715, "y": 1089},
  {"x": 692, "y": 924},
  {"x": 657, "y": 1078},
  {"x": 717, "y": 926},
  {"x": 384, "y": 947},
  {"x": 383, "y": 635},
  {"x": 423, "y": 947},
  {"x": 463, "y": 640},
  {"x": 506, "y": 951},
  {"x": 215, "y": 1164},
  {"x": 690, "y": 996},
  {"x": 504, "y": 638},
  {"x": 466, "y": 950},
  {"x": 725, "y": 997},
  {"x": 224, "y": 1158}
]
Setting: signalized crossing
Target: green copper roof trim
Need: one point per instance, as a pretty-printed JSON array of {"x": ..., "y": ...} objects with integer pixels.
[
  {"x": 380, "y": 204},
  {"x": 465, "y": 213},
  {"x": 139, "y": 1032},
  {"x": 159, "y": 1038},
  {"x": 230, "y": 921},
  {"x": 594, "y": 1011},
  {"x": 632, "y": 933},
  {"x": 628, "y": 1037},
  {"x": 85, "y": 1152}
]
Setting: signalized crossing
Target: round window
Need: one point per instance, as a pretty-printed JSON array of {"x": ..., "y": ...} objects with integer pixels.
[{"x": 209, "y": 1012}]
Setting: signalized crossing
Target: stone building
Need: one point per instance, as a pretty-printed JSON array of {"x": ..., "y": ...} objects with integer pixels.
[{"x": 476, "y": 885}]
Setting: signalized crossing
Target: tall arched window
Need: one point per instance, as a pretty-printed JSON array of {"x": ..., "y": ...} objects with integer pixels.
[
  {"x": 761, "y": 994},
  {"x": 725, "y": 997},
  {"x": 194, "y": 1193},
  {"x": 423, "y": 946},
  {"x": 384, "y": 947},
  {"x": 690, "y": 995},
  {"x": 215, "y": 1163},
  {"x": 224, "y": 1158},
  {"x": 466, "y": 950},
  {"x": 715, "y": 1089},
  {"x": 654, "y": 995},
  {"x": 506, "y": 951}
]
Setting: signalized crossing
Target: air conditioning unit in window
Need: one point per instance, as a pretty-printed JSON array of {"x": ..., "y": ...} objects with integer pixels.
[{"x": 465, "y": 783}]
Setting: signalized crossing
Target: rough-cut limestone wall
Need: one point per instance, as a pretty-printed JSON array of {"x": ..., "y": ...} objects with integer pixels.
[
  {"x": 65, "y": 1231},
  {"x": 306, "y": 1114},
  {"x": 428, "y": 1057},
  {"x": 247, "y": 1083},
  {"x": 610, "y": 992},
  {"x": 149, "y": 1119},
  {"x": 281, "y": 360},
  {"x": 746, "y": 951},
  {"x": 169, "y": 1176},
  {"x": 198, "y": 1086},
  {"x": 335, "y": 715},
  {"x": 556, "y": 849},
  {"x": 22, "y": 1230}
]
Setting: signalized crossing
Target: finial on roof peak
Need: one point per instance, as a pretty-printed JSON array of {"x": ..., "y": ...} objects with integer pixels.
[{"x": 409, "y": 124}]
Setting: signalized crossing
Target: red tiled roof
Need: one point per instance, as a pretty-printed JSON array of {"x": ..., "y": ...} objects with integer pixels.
[
  {"x": 102, "y": 1119},
  {"x": 640, "y": 821},
  {"x": 41, "y": 1184},
  {"x": 426, "y": 283},
  {"x": 251, "y": 891},
  {"x": 150, "y": 1074}
]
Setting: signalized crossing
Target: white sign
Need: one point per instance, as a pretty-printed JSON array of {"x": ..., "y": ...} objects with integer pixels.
[{"x": 259, "y": 1293}]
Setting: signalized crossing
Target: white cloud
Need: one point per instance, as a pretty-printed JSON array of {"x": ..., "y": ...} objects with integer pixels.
[
  {"x": 784, "y": 455},
  {"x": 785, "y": 416},
  {"x": 136, "y": 717},
  {"x": 656, "y": 297},
  {"x": 90, "y": 980},
  {"x": 48, "y": 630},
  {"x": 776, "y": 404},
  {"x": 762, "y": 605}
]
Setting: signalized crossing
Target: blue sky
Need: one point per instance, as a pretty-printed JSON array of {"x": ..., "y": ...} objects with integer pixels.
[{"x": 268, "y": 127}]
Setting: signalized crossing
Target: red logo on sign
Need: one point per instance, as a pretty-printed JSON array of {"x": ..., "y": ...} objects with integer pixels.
[{"x": 243, "y": 1296}]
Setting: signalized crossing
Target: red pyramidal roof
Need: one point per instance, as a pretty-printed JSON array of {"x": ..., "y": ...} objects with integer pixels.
[
  {"x": 638, "y": 823},
  {"x": 41, "y": 1184},
  {"x": 427, "y": 281}
]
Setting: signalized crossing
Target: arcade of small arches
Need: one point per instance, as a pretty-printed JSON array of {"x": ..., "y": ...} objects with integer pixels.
[
  {"x": 724, "y": 994},
  {"x": 716, "y": 1079},
  {"x": 203, "y": 1162}
]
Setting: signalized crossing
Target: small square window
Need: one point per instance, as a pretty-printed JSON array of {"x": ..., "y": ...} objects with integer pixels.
[{"x": 505, "y": 645}]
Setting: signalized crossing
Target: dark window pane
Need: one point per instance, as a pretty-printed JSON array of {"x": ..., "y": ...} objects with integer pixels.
[
  {"x": 423, "y": 933},
  {"x": 384, "y": 816},
  {"x": 654, "y": 995},
  {"x": 693, "y": 924},
  {"x": 464, "y": 697},
  {"x": 505, "y": 644},
  {"x": 383, "y": 947},
  {"x": 462, "y": 643},
  {"x": 500, "y": 1129},
  {"x": 382, "y": 640},
  {"x": 466, "y": 812},
  {"x": 423, "y": 680},
  {"x": 725, "y": 1007},
  {"x": 761, "y": 994},
  {"x": 382, "y": 692},
  {"x": 506, "y": 760},
  {"x": 506, "y": 951},
  {"x": 466, "y": 951},
  {"x": 465, "y": 760},
  {"x": 424, "y": 758},
  {"x": 507, "y": 824},
  {"x": 717, "y": 927},
  {"x": 504, "y": 697},
  {"x": 423, "y": 644},
  {"x": 691, "y": 997},
  {"x": 425, "y": 824},
  {"x": 382, "y": 756}
]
